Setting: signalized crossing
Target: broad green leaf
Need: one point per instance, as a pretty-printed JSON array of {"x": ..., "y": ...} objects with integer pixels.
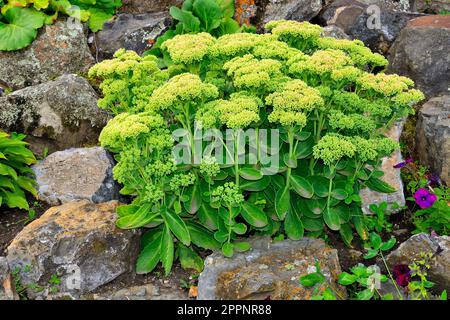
[
  {"x": 149, "y": 257},
  {"x": 293, "y": 226},
  {"x": 140, "y": 218},
  {"x": 375, "y": 240},
  {"x": 378, "y": 185},
  {"x": 21, "y": 28},
  {"x": 6, "y": 170},
  {"x": 126, "y": 210},
  {"x": 97, "y": 19},
  {"x": 302, "y": 186},
  {"x": 177, "y": 226},
  {"x": 208, "y": 216},
  {"x": 346, "y": 278},
  {"x": 282, "y": 202},
  {"x": 312, "y": 224},
  {"x": 257, "y": 185},
  {"x": 229, "y": 26},
  {"x": 15, "y": 199},
  {"x": 311, "y": 279},
  {"x": 227, "y": 7},
  {"x": 202, "y": 237},
  {"x": 388, "y": 244},
  {"x": 241, "y": 246},
  {"x": 366, "y": 294},
  {"x": 253, "y": 215},
  {"x": 209, "y": 13},
  {"x": 328, "y": 294},
  {"x": 167, "y": 250},
  {"x": 189, "y": 259},
  {"x": 339, "y": 194},
  {"x": 320, "y": 185},
  {"x": 194, "y": 201},
  {"x": 189, "y": 22},
  {"x": 228, "y": 249},
  {"x": 346, "y": 233},
  {"x": 331, "y": 218},
  {"x": 41, "y": 4},
  {"x": 27, "y": 184},
  {"x": 251, "y": 174},
  {"x": 239, "y": 228}
]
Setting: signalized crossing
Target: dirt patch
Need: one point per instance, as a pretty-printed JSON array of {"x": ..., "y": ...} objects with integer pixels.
[{"x": 12, "y": 221}]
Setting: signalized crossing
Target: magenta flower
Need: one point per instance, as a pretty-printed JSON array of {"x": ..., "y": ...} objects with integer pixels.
[
  {"x": 402, "y": 274},
  {"x": 424, "y": 198},
  {"x": 403, "y": 163}
]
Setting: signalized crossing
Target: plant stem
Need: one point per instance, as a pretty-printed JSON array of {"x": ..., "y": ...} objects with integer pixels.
[
  {"x": 236, "y": 157},
  {"x": 390, "y": 276}
]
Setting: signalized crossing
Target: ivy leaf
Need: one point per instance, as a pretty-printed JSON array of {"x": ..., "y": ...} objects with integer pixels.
[{"x": 21, "y": 28}]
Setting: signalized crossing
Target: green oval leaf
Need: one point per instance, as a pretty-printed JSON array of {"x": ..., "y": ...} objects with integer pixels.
[
  {"x": 302, "y": 186},
  {"x": 253, "y": 215}
]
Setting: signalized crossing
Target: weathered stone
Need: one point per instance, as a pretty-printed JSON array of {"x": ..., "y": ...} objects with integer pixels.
[
  {"x": 7, "y": 287},
  {"x": 78, "y": 243},
  {"x": 428, "y": 6},
  {"x": 299, "y": 10},
  {"x": 433, "y": 136},
  {"x": 411, "y": 249},
  {"x": 420, "y": 54},
  {"x": 268, "y": 269},
  {"x": 76, "y": 174},
  {"x": 59, "y": 48},
  {"x": 132, "y": 32},
  {"x": 143, "y": 292},
  {"x": 377, "y": 27},
  {"x": 58, "y": 114},
  {"x": 391, "y": 176},
  {"x": 141, "y": 6}
]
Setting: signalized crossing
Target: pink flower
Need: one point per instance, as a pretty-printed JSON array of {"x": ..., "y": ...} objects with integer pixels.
[{"x": 424, "y": 198}]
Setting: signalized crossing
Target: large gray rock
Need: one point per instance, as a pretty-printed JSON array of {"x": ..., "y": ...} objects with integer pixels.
[
  {"x": 7, "y": 287},
  {"x": 268, "y": 269},
  {"x": 76, "y": 174},
  {"x": 354, "y": 18},
  {"x": 142, "y": 292},
  {"x": 391, "y": 176},
  {"x": 420, "y": 54},
  {"x": 58, "y": 114},
  {"x": 132, "y": 32},
  {"x": 299, "y": 10},
  {"x": 434, "y": 6},
  {"x": 79, "y": 244},
  {"x": 433, "y": 136},
  {"x": 411, "y": 249},
  {"x": 59, "y": 48},
  {"x": 141, "y": 6}
]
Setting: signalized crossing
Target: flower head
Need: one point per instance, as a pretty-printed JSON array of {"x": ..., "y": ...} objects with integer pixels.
[
  {"x": 403, "y": 163},
  {"x": 402, "y": 274},
  {"x": 188, "y": 48},
  {"x": 424, "y": 198}
]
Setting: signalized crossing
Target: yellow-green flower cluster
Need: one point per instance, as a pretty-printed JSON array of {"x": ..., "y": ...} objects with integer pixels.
[
  {"x": 209, "y": 167},
  {"x": 159, "y": 168},
  {"x": 128, "y": 81},
  {"x": 181, "y": 180},
  {"x": 372, "y": 149},
  {"x": 249, "y": 72},
  {"x": 293, "y": 102},
  {"x": 151, "y": 194},
  {"x": 384, "y": 84},
  {"x": 355, "y": 123},
  {"x": 290, "y": 31},
  {"x": 182, "y": 89},
  {"x": 229, "y": 193},
  {"x": 188, "y": 48},
  {"x": 346, "y": 75},
  {"x": 333, "y": 147},
  {"x": 322, "y": 62},
  {"x": 271, "y": 48},
  {"x": 126, "y": 128},
  {"x": 359, "y": 53},
  {"x": 238, "y": 112},
  {"x": 408, "y": 98},
  {"x": 232, "y": 45}
]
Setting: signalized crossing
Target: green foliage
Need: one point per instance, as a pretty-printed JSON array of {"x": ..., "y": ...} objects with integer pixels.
[
  {"x": 15, "y": 171},
  {"x": 317, "y": 280},
  {"x": 375, "y": 246},
  {"x": 199, "y": 16},
  {"x": 362, "y": 282},
  {"x": 20, "y": 20},
  {"x": 291, "y": 80},
  {"x": 379, "y": 220}
]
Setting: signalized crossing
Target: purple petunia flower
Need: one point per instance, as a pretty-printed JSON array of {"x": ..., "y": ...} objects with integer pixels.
[
  {"x": 424, "y": 198},
  {"x": 403, "y": 163},
  {"x": 434, "y": 180},
  {"x": 402, "y": 274}
]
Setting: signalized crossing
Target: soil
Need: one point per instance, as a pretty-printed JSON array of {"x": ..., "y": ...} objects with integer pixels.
[{"x": 12, "y": 221}]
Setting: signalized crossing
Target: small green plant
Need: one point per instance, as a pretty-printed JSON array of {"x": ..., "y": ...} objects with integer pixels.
[
  {"x": 363, "y": 281},
  {"x": 15, "y": 171},
  {"x": 379, "y": 221},
  {"x": 322, "y": 289},
  {"x": 21, "y": 19}
]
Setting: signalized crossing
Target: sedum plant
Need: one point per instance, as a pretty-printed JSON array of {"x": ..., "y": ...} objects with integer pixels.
[
  {"x": 15, "y": 171},
  {"x": 20, "y": 20},
  {"x": 327, "y": 100}
]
